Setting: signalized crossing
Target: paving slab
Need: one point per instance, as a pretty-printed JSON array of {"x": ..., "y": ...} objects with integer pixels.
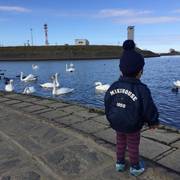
[
  {"x": 44, "y": 102},
  {"x": 86, "y": 114},
  {"x": 176, "y": 144},
  {"x": 30, "y": 144},
  {"x": 10, "y": 164},
  {"x": 31, "y": 99},
  {"x": 26, "y": 171},
  {"x": 73, "y": 161},
  {"x": 161, "y": 135},
  {"x": 12, "y": 95},
  {"x": 22, "y": 104},
  {"x": 21, "y": 168},
  {"x": 56, "y": 105},
  {"x": 11, "y": 102},
  {"x": 16, "y": 96},
  {"x": 17, "y": 125},
  {"x": 107, "y": 135},
  {"x": 151, "y": 173},
  {"x": 101, "y": 119},
  {"x": 89, "y": 126},
  {"x": 49, "y": 137},
  {"x": 42, "y": 111},
  {"x": 67, "y": 154},
  {"x": 7, "y": 152},
  {"x": 151, "y": 149},
  {"x": 74, "y": 108},
  {"x": 27, "y": 175},
  {"x": 2, "y": 99},
  {"x": 109, "y": 173},
  {"x": 33, "y": 108},
  {"x": 172, "y": 160},
  {"x": 70, "y": 119},
  {"x": 54, "y": 114}
]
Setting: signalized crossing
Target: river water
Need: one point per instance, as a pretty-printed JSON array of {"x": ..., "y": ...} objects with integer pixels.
[{"x": 159, "y": 74}]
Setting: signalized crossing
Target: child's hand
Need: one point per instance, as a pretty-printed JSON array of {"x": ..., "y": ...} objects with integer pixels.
[{"x": 153, "y": 127}]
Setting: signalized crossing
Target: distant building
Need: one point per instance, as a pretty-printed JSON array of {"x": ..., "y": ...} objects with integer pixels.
[
  {"x": 172, "y": 50},
  {"x": 46, "y": 34},
  {"x": 82, "y": 42},
  {"x": 130, "y": 33}
]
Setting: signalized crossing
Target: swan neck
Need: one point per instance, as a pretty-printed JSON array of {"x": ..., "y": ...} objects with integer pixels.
[
  {"x": 56, "y": 80},
  {"x": 21, "y": 76},
  {"x": 54, "y": 87}
]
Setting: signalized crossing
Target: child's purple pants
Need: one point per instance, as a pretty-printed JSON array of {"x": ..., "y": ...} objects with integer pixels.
[{"x": 131, "y": 141}]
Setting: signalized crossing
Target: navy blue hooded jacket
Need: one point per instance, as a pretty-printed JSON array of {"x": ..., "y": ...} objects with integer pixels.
[{"x": 129, "y": 105}]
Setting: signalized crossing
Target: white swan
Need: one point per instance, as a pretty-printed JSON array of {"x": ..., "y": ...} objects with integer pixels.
[
  {"x": 101, "y": 87},
  {"x": 177, "y": 83},
  {"x": 35, "y": 67},
  {"x": 49, "y": 84},
  {"x": 28, "y": 78},
  {"x": 60, "y": 91},
  {"x": 29, "y": 90},
  {"x": 9, "y": 86},
  {"x": 71, "y": 68}
]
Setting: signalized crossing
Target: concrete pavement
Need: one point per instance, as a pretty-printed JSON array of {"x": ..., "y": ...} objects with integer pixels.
[{"x": 44, "y": 139}]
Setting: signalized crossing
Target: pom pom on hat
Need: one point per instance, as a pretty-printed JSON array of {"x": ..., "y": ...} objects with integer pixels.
[{"x": 130, "y": 61}]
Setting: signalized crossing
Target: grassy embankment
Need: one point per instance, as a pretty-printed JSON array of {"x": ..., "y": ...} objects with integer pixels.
[
  {"x": 176, "y": 53},
  {"x": 64, "y": 52}
]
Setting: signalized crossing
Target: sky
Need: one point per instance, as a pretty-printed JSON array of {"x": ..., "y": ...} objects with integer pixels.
[{"x": 102, "y": 22}]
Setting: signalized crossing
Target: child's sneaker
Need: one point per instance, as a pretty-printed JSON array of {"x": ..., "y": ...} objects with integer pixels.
[
  {"x": 137, "y": 169},
  {"x": 120, "y": 167}
]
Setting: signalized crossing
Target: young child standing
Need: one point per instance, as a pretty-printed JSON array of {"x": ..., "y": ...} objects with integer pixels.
[{"x": 128, "y": 106}]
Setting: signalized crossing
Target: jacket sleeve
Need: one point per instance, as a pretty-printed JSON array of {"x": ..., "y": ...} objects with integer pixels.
[
  {"x": 107, "y": 102},
  {"x": 150, "y": 112}
]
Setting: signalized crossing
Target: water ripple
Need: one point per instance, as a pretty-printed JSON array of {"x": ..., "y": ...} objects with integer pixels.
[{"x": 159, "y": 74}]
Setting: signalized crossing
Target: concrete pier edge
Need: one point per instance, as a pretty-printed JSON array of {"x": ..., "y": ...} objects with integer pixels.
[{"x": 160, "y": 147}]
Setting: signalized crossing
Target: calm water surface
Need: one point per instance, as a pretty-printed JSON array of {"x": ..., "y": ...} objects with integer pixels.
[{"x": 159, "y": 74}]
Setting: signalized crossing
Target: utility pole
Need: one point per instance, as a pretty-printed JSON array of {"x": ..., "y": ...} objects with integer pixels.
[{"x": 31, "y": 37}]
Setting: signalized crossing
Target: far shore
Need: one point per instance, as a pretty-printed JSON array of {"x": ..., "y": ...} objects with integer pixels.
[
  {"x": 68, "y": 52},
  {"x": 61, "y": 59}
]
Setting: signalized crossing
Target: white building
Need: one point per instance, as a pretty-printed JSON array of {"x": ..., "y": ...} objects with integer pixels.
[
  {"x": 130, "y": 33},
  {"x": 82, "y": 42}
]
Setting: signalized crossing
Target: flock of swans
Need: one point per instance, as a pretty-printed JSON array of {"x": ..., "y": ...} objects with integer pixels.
[{"x": 54, "y": 85}]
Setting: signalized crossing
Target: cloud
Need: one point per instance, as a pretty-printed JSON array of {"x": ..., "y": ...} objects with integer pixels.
[
  {"x": 120, "y": 16},
  {"x": 121, "y": 12},
  {"x": 132, "y": 16},
  {"x": 14, "y": 9},
  {"x": 148, "y": 20},
  {"x": 103, "y": 13}
]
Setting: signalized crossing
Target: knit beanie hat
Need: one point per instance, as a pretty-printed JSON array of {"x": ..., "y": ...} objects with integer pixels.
[{"x": 130, "y": 61}]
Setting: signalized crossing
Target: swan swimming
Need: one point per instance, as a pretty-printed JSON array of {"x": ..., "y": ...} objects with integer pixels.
[
  {"x": 71, "y": 68},
  {"x": 28, "y": 78},
  {"x": 49, "y": 84},
  {"x": 177, "y": 83},
  {"x": 60, "y": 91},
  {"x": 29, "y": 90},
  {"x": 101, "y": 87},
  {"x": 35, "y": 67},
  {"x": 9, "y": 86}
]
